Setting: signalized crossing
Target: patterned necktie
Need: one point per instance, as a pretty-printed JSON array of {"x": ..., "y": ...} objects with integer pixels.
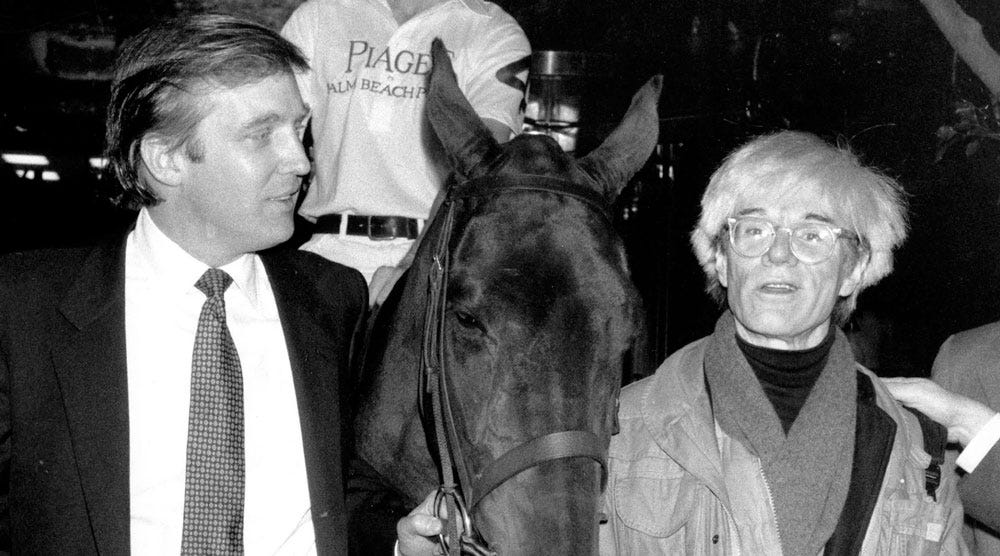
[{"x": 215, "y": 475}]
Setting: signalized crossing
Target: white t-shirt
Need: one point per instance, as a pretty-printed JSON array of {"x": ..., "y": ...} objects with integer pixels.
[{"x": 375, "y": 151}]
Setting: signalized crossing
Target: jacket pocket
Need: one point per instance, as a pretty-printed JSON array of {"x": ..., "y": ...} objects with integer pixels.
[
  {"x": 914, "y": 527},
  {"x": 656, "y": 497}
]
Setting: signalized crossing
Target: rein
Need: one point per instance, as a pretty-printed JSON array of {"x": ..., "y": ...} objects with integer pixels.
[{"x": 462, "y": 496}]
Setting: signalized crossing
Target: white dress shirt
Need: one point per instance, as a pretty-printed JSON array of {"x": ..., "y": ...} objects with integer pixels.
[{"x": 162, "y": 307}]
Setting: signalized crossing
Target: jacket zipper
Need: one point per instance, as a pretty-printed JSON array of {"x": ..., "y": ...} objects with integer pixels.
[{"x": 770, "y": 501}]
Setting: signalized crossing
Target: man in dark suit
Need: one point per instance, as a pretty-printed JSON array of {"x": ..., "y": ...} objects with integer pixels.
[
  {"x": 964, "y": 397},
  {"x": 116, "y": 360}
]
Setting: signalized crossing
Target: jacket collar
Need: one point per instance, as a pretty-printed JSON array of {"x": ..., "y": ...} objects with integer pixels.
[{"x": 99, "y": 286}]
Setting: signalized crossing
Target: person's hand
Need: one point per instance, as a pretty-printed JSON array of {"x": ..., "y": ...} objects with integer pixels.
[
  {"x": 417, "y": 532},
  {"x": 383, "y": 280},
  {"x": 962, "y": 416}
]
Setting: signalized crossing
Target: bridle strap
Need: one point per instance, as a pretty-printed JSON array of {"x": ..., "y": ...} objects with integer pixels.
[
  {"x": 434, "y": 382},
  {"x": 491, "y": 186},
  {"x": 553, "y": 446},
  {"x": 434, "y": 379}
]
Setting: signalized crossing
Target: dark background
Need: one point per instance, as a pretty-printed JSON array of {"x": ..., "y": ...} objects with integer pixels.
[{"x": 874, "y": 73}]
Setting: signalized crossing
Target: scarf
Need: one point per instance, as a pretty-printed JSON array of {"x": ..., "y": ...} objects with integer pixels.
[
  {"x": 809, "y": 470},
  {"x": 787, "y": 376}
]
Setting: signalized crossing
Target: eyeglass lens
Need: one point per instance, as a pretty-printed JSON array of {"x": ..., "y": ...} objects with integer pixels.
[{"x": 811, "y": 242}]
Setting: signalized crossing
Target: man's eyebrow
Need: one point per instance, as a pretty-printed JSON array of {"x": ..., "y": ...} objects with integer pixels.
[
  {"x": 262, "y": 120},
  {"x": 820, "y": 217},
  {"x": 755, "y": 211},
  {"x": 272, "y": 118}
]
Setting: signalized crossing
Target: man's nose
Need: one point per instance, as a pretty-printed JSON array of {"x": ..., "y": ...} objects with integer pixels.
[
  {"x": 781, "y": 248},
  {"x": 294, "y": 159}
]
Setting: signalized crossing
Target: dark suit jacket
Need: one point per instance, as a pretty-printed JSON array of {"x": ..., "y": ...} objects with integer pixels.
[
  {"x": 969, "y": 363},
  {"x": 64, "y": 454}
]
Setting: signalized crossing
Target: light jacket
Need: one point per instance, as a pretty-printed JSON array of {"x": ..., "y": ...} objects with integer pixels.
[{"x": 678, "y": 484}]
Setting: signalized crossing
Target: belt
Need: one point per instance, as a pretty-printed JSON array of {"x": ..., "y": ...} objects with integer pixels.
[{"x": 374, "y": 227}]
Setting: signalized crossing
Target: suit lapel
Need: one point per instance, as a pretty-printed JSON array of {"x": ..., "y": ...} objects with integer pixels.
[
  {"x": 91, "y": 368},
  {"x": 315, "y": 362}
]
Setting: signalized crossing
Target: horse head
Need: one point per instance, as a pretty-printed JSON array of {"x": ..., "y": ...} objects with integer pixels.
[{"x": 535, "y": 314}]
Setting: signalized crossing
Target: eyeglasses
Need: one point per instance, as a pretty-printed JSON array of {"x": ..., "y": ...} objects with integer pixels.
[{"x": 811, "y": 242}]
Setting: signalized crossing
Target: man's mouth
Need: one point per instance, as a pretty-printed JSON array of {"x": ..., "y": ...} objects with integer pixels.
[
  {"x": 286, "y": 197},
  {"x": 778, "y": 287}
]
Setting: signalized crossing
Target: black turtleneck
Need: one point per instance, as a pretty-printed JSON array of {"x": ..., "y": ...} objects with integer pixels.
[{"x": 786, "y": 376}]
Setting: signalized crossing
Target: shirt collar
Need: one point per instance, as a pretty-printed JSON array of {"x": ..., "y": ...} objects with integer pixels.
[
  {"x": 160, "y": 258},
  {"x": 477, "y": 6}
]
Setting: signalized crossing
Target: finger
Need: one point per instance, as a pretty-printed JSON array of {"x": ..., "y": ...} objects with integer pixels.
[
  {"x": 912, "y": 389},
  {"x": 897, "y": 379},
  {"x": 898, "y": 389},
  {"x": 905, "y": 381},
  {"x": 427, "y": 505},
  {"x": 418, "y": 525}
]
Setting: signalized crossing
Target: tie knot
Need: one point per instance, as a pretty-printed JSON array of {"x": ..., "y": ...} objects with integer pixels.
[{"x": 214, "y": 282}]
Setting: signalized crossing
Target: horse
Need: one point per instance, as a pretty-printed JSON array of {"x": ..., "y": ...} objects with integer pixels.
[{"x": 519, "y": 302}]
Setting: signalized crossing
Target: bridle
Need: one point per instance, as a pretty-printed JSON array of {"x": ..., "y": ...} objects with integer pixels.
[{"x": 461, "y": 497}]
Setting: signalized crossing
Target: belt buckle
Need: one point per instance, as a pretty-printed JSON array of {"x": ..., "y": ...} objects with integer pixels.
[{"x": 370, "y": 225}]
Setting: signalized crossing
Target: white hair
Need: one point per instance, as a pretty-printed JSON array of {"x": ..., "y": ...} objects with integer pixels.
[{"x": 772, "y": 165}]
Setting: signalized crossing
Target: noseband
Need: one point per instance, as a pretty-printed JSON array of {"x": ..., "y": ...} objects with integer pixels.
[{"x": 463, "y": 496}]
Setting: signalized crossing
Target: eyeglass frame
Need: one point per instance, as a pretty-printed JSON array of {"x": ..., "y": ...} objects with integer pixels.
[{"x": 838, "y": 232}]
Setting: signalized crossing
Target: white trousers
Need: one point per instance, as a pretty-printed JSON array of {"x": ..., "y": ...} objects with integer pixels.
[{"x": 359, "y": 252}]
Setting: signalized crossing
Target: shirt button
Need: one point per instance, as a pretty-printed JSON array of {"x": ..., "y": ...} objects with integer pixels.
[{"x": 715, "y": 539}]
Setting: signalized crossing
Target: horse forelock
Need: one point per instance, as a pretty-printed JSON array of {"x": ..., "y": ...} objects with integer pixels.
[
  {"x": 538, "y": 155},
  {"x": 529, "y": 250}
]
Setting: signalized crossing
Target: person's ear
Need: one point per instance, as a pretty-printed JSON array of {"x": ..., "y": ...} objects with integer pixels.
[
  {"x": 852, "y": 281},
  {"x": 162, "y": 159},
  {"x": 722, "y": 266}
]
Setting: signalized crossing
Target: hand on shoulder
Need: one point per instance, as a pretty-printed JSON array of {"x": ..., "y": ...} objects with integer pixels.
[{"x": 962, "y": 416}]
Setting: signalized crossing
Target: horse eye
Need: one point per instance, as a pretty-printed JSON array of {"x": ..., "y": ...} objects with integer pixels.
[{"x": 466, "y": 320}]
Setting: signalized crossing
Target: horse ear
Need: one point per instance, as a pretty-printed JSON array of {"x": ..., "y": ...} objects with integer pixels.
[
  {"x": 628, "y": 147},
  {"x": 467, "y": 141}
]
